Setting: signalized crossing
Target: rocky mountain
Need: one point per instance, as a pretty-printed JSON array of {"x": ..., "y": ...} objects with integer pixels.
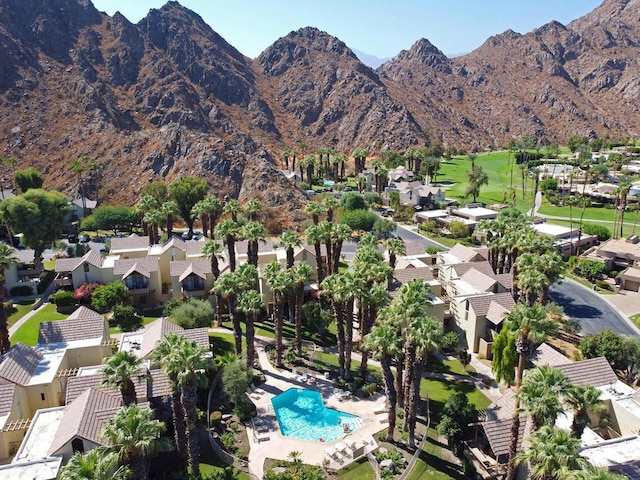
[{"x": 168, "y": 96}]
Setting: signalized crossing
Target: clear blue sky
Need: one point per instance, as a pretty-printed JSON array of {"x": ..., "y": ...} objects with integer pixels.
[{"x": 377, "y": 27}]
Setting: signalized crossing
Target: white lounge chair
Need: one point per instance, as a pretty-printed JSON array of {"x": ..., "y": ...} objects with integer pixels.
[
  {"x": 341, "y": 447},
  {"x": 350, "y": 442},
  {"x": 331, "y": 452}
]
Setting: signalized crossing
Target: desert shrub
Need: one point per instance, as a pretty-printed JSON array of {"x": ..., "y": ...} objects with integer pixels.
[
  {"x": 194, "y": 314},
  {"x": 369, "y": 389},
  {"x": 171, "y": 305},
  {"x": 449, "y": 341},
  {"x": 589, "y": 269},
  {"x": 359, "y": 219},
  {"x": 228, "y": 441},
  {"x": 600, "y": 231},
  {"x": 603, "y": 285},
  {"x": 353, "y": 201},
  {"x": 21, "y": 290},
  {"x": 458, "y": 229},
  {"x": 63, "y": 298}
]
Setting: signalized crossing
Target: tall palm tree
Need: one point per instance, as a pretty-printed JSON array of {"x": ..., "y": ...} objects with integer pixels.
[
  {"x": 230, "y": 286},
  {"x": 524, "y": 328},
  {"x": 253, "y": 208},
  {"x": 169, "y": 211},
  {"x": 119, "y": 371},
  {"x": 164, "y": 355},
  {"x": 551, "y": 453},
  {"x": 583, "y": 400},
  {"x": 146, "y": 204},
  {"x": 228, "y": 230},
  {"x": 301, "y": 275},
  {"x": 315, "y": 209},
  {"x": 327, "y": 229},
  {"x": 213, "y": 251},
  {"x": 208, "y": 211},
  {"x": 95, "y": 464},
  {"x": 251, "y": 304},
  {"x": 191, "y": 361},
  {"x": 317, "y": 235},
  {"x": 280, "y": 284},
  {"x": 6, "y": 260},
  {"x": 290, "y": 240},
  {"x": 253, "y": 232},
  {"x": 386, "y": 344},
  {"x": 541, "y": 393},
  {"x": 133, "y": 434},
  {"x": 154, "y": 219},
  {"x": 340, "y": 233},
  {"x": 332, "y": 287},
  {"x": 232, "y": 208},
  {"x": 330, "y": 203},
  {"x": 395, "y": 246}
]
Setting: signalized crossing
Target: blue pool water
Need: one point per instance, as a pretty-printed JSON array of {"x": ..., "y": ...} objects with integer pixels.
[{"x": 301, "y": 414}]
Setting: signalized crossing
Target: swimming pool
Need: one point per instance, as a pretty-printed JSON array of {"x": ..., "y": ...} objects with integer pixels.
[{"x": 301, "y": 414}]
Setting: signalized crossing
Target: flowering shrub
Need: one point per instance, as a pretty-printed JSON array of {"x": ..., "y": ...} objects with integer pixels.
[{"x": 84, "y": 291}]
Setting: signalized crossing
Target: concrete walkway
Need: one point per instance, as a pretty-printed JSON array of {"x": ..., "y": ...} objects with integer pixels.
[{"x": 13, "y": 328}]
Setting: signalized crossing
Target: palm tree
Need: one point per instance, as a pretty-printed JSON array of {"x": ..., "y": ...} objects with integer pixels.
[
  {"x": 230, "y": 286},
  {"x": 119, "y": 371},
  {"x": 524, "y": 328},
  {"x": 477, "y": 179},
  {"x": 330, "y": 204},
  {"x": 583, "y": 400},
  {"x": 251, "y": 304},
  {"x": 290, "y": 240},
  {"x": 395, "y": 246},
  {"x": 253, "y": 232},
  {"x": 213, "y": 251},
  {"x": 595, "y": 473},
  {"x": 232, "y": 208},
  {"x": 169, "y": 211},
  {"x": 541, "y": 392},
  {"x": 253, "y": 208},
  {"x": 551, "y": 453},
  {"x": 95, "y": 464},
  {"x": 339, "y": 234},
  {"x": 386, "y": 344},
  {"x": 191, "y": 361},
  {"x": 317, "y": 235},
  {"x": 154, "y": 219},
  {"x": 228, "y": 230},
  {"x": 6, "y": 260},
  {"x": 280, "y": 284},
  {"x": 164, "y": 354},
  {"x": 532, "y": 283},
  {"x": 315, "y": 209},
  {"x": 332, "y": 287},
  {"x": 132, "y": 434},
  {"x": 208, "y": 210},
  {"x": 301, "y": 275},
  {"x": 145, "y": 205}
]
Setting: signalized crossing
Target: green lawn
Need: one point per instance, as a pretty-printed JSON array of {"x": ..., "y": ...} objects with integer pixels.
[
  {"x": 635, "y": 319},
  {"x": 21, "y": 311},
  {"x": 210, "y": 463},
  {"x": 146, "y": 319},
  {"x": 361, "y": 470},
  {"x": 28, "y": 332}
]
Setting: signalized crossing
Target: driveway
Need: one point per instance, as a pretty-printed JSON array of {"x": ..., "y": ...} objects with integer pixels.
[{"x": 593, "y": 311}]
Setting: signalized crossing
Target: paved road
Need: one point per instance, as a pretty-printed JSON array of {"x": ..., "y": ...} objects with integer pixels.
[{"x": 594, "y": 313}]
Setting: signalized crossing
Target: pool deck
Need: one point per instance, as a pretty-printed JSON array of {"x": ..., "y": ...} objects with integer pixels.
[{"x": 268, "y": 442}]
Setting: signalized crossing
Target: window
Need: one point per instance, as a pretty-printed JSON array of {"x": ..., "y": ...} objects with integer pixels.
[
  {"x": 86, "y": 267},
  {"x": 136, "y": 281},
  {"x": 42, "y": 397},
  {"x": 193, "y": 283}
]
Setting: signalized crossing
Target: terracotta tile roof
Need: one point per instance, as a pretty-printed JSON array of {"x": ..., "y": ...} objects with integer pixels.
[
  {"x": 496, "y": 313},
  {"x": 83, "y": 324},
  {"x": 85, "y": 418},
  {"x": 7, "y": 392},
  {"x": 480, "y": 304},
  {"x": 143, "y": 266},
  {"x": 502, "y": 408},
  {"x": 159, "y": 386},
  {"x": 19, "y": 364},
  {"x": 483, "y": 267},
  {"x": 498, "y": 434},
  {"x": 414, "y": 248},
  {"x": 132, "y": 242},
  {"x": 400, "y": 277},
  {"x": 466, "y": 254},
  {"x": 182, "y": 268},
  {"x": 545, "y": 354},
  {"x": 594, "y": 371},
  {"x": 156, "y": 331},
  {"x": 481, "y": 281}
]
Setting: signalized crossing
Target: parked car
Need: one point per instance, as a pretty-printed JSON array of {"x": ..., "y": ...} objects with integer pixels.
[
  {"x": 72, "y": 238},
  {"x": 197, "y": 235},
  {"x": 187, "y": 236},
  {"x": 84, "y": 238}
]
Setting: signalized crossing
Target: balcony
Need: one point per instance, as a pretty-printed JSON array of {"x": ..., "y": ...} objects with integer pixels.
[
  {"x": 63, "y": 280},
  {"x": 139, "y": 290},
  {"x": 29, "y": 273},
  {"x": 486, "y": 466}
]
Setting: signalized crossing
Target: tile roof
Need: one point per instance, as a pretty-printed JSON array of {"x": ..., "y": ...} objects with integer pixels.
[
  {"x": 594, "y": 371},
  {"x": 400, "y": 277},
  {"x": 132, "y": 242},
  {"x": 19, "y": 364},
  {"x": 174, "y": 241},
  {"x": 85, "y": 418},
  {"x": 414, "y": 248},
  {"x": 482, "y": 266},
  {"x": 481, "y": 281},
  {"x": 83, "y": 324},
  {"x": 496, "y": 313},
  {"x": 466, "y": 254},
  {"x": 67, "y": 264},
  {"x": 194, "y": 248},
  {"x": 505, "y": 279},
  {"x": 159, "y": 386},
  {"x": 143, "y": 266},
  {"x": 156, "y": 331},
  {"x": 498, "y": 434},
  {"x": 7, "y": 391},
  {"x": 502, "y": 408},
  {"x": 24, "y": 256},
  {"x": 182, "y": 268},
  {"x": 545, "y": 354},
  {"x": 480, "y": 303}
]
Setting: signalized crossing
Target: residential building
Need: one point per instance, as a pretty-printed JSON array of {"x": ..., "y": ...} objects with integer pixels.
[
  {"x": 566, "y": 240},
  {"x": 414, "y": 193},
  {"x": 22, "y": 273}
]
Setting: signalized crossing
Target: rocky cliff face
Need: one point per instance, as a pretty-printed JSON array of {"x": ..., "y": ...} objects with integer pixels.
[{"x": 169, "y": 97}]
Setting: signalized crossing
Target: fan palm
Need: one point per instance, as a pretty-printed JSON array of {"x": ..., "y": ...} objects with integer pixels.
[
  {"x": 339, "y": 234},
  {"x": 93, "y": 465},
  {"x": 251, "y": 304},
  {"x": 395, "y": 247},
  {"x": 290, "y": 240},
  {"x": 317, "y": 235},
  {"x": 280, "y": 283},
  {"x": 213, "y": 251},
  {"x": 132, "y": 434},
  {"x": 228, "y": 230},
  {"x": 541, "y": 392},
  {"x": 119, "y": 371},
  {"x": 583, "y": 400},
  {"x": 253, "y": 232},
  {"x": 253, "y": 208},
  {"x": 230, "y": 286},
  {"x": 301, "y": 275},
  {"x": 232, "y": 208}
]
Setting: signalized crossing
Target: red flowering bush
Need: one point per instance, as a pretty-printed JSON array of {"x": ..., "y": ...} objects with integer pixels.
[{"x": 84, "y": 291}]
